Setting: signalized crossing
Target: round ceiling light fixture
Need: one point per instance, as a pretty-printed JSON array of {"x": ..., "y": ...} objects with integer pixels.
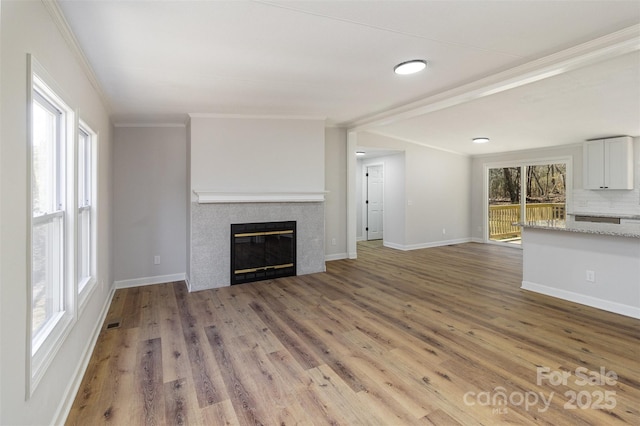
[
  {"x": 480, "y": 140},
  {"x": 410, "y": 67}
]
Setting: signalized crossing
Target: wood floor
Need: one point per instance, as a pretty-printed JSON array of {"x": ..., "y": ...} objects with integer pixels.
[{"x": 438, "y": 336}]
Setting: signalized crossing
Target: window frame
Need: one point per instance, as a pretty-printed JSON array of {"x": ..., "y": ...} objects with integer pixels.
[
  {"x": 44, "y": 345},
  {"x": 87, "y": 190}
]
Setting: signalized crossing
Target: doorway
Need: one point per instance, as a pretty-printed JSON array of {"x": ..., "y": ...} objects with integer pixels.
[{"x": 374, "y": 202}]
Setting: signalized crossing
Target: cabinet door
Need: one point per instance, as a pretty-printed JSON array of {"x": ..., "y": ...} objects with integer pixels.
[
  {"x": 593, "y": 165},
  {"x": 618, "y": 170}
]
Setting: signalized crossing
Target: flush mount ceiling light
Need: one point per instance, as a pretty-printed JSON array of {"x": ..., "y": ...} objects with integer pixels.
[
  {"x": 360, "y": 153},
  {"x": 480, "y": 140},
  {"x": 410, "y": 67}
]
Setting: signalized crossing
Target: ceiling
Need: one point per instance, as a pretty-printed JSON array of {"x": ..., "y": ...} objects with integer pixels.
[{"x": 527, "y": 74}]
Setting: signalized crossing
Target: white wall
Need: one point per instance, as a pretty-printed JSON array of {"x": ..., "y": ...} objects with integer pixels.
[
  {"x": 149, "y": 188},
  {"x": 437, "y": 187},
  {"x": 335, "y": 177},
  {"x": 394, "y": 198},
  {"x": 245, "y": 154},
  {"x": 27, "y": 27}
]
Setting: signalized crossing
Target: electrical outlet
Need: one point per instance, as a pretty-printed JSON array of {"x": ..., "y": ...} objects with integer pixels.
[
  {"x": 591, "y": 276},
  {"x": 444, "y": 231},
  {"x": 156, "y": 260},
  {"x": 333, "y": 241}
]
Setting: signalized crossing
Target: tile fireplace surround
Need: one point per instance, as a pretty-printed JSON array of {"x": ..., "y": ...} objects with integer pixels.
[{"x": 213, "y": 213}]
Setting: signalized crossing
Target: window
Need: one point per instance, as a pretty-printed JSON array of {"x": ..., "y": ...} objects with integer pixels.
[
  {"x": 52, "y": 243},
  {"x": 524, "y": 191},
  {"x": 47, "y": 238},
  {"x": 86, "y": 247}
]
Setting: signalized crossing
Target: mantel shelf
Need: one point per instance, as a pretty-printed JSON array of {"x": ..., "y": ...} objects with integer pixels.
[{"x": 208, "y": 197}]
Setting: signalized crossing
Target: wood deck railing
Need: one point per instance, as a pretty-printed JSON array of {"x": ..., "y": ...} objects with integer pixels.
[{"x": 502, "y": 217}]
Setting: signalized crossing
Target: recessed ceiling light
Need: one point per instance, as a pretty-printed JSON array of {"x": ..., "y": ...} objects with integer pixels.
[
  {"x": 410, "y": 67},
  {"x": 360, "y": 153},
  {"x": 480, "y": 140}
]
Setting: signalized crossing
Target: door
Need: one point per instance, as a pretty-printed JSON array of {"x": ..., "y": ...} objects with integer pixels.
[
  {"x": 531, "y": 192},
  {"x": 505, "y": 207},
  {"x": 374, "y": 202}
]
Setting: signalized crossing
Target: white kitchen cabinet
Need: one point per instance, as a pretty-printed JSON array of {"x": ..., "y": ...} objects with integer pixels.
[{"x": 608, "y": 163}]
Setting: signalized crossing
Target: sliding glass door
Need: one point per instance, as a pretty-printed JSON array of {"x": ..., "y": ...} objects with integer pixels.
[
  {"x": 505, "y": 207},
  {"x": 524, "y": 192}
]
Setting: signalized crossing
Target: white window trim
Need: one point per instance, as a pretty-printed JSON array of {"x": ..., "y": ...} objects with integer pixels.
[
  {"x": 40, "y": 354},
  {"x": 89, "y": 287}
]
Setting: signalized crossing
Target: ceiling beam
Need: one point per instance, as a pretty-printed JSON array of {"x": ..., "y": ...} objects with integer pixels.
[{"x": 601, "y": 49}]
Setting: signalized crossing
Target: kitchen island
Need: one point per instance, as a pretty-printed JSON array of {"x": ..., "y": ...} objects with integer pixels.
[{"x": 595, "y": 264}]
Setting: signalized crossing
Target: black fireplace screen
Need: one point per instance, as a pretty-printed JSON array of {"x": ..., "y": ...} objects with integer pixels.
[{"x": 261, "y": 251}]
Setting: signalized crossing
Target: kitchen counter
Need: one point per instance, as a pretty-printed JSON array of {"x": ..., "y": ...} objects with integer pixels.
[
  {"x": 631, "y": 230},
  {"x": 594, "y": 264}
]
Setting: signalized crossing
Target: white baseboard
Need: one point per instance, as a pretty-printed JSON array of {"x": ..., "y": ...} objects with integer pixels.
[
  {"x": 594, "y": 302},
  {"x": 426, "y": 245},
  {"x": 477, "y": 240},
  {"x": 159, "y": 279},
  {"x": 393, "y": 245},
  {"x": 72, "y": 390},
  {"x": 336, "y": 256}
]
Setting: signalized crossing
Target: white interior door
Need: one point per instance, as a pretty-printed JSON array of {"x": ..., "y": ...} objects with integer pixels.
[{"x": 374, "y": 202}]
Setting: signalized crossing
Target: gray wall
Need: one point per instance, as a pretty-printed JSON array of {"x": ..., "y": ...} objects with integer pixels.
[{"x": 150, "y": 218}]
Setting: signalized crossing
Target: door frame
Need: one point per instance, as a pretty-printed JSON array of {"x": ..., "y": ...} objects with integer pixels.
[{"x": 568, "y": 160}]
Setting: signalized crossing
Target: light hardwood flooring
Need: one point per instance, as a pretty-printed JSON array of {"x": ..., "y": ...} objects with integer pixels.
[{"x": 438, "y": 336}]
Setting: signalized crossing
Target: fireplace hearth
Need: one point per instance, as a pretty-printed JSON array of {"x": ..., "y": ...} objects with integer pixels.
[{"x": 262, "y": 251}]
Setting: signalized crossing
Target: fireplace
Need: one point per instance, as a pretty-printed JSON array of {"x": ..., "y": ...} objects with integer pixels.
[{"x": 262, "y": 251}]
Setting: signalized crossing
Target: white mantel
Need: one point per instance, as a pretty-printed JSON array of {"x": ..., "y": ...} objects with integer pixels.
[{"x": 208, "y": 197}]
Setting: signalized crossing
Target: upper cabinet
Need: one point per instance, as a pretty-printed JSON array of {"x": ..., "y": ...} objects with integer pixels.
[{"x": 608, "y": 163}]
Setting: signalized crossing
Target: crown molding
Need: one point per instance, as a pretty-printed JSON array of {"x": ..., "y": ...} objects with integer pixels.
[
  {"x": 61, "y": 23},
  {"x": 257, "y": 116},
  {"x": 121, "y": 125},
  {"x": 601, "y": 49}
]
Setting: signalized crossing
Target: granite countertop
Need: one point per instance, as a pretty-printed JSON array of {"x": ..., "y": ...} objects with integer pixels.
[{"x": 569, "y": 225}]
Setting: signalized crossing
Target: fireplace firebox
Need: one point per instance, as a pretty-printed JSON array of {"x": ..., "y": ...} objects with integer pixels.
[{"x": 262, "y": 251}]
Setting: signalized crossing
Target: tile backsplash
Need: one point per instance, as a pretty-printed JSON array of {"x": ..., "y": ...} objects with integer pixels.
[{"x": 624, "y": 202}]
